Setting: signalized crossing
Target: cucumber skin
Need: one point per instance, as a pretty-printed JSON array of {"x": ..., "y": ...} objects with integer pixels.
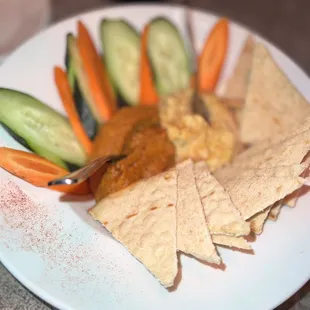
[
  {"x": 155, "y": 76},
  {"x": 81, "y": 79},
  {"x": 16, "y": 137},
  {"x": 51, "y": 157},
  {"x": 120, "y": 101},
  {"x": 122, "y": 98},
  {"x": 88, "y": 121},
  {"x": 68, "y": 60},
  {"x": 13, "y": 103}
]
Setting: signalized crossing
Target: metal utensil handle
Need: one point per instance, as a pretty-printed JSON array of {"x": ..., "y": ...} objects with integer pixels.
[{"x": 83, "y": 173}]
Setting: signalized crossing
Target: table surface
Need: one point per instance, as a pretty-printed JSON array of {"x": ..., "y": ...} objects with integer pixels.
[{"x": 286, "y": 23}]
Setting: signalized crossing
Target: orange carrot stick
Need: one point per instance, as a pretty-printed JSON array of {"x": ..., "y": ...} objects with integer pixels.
[
  {"x": 148, "y": 95},
  {"x": 99, "y": 85},
  {"x": 64, "y": 91},
  {"x": 37, "y": 170},
  {"x": 213, "y": 56}
]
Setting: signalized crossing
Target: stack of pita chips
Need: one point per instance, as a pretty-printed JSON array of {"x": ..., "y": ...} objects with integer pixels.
[
  {"x": 190, "y": 210},
  {"x": 187, "y": 209},
  {"x": 184, "y": 209},
  {"x": 273, "y": 106},
  {"x": 255, "y": 180}
]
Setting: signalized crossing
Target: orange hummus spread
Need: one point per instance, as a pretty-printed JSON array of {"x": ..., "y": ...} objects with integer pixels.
[{"x": 135, "y": 132}]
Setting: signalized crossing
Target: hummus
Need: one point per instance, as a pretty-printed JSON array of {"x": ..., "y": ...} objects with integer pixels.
[{"x": 135, "y": 132}]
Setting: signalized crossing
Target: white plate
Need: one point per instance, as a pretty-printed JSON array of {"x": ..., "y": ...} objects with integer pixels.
[{"x": 56, "y": 250}]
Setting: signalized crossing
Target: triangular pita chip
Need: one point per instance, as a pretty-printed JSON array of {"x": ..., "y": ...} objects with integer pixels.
[
  {"x": 255, "y": 189},
  {"x": 258, "y": 220},
  {"x": 193, "y": 236},
  {"x": 237, "y": 84},
  {"x": 258, "y": 181},
  {"x": 143, "y": 218},
  {"x": 222, "y": 216},
  {"x": 231, "y": 241},
  {"x": 275, "y": 210},
  {"x": 273, "y": 104},
  {"x": 291, "y": 200}
]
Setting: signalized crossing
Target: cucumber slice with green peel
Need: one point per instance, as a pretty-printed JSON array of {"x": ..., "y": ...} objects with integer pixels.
[
  {"x": 33, "y": 148},
  {"x": 69, "y": 61},
  {"x": 168, "y": 56},
  {"x": 89, "y": 122},
  {"x": 40, "y": 126},
  {"x": 121, "y": 46},
  {"x": 48, "y": 155},
  {"x": 80, "y": 76},
  {"x": 17, "y": 138},
  {"x": 87, "y": 117}
]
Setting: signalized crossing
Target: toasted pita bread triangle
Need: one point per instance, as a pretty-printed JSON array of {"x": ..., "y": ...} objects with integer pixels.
[
  {"x": 237, "y": 83},
  {"x": 256, "y": 182},
  {"x": 258, "y": 221},
  {"x": 193, "y": 236},
  {"x": 231, "y": 241},
  {"x": 275, "y": 210},
  {"x": 143, "y": 218},
  {"x": 273, "y": 105},
  {"x": 222, "y": 216},
  {"x": 291, "y": 199}
]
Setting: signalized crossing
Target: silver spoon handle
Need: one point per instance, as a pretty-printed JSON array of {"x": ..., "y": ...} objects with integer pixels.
[{"x": 85, "y": 172}]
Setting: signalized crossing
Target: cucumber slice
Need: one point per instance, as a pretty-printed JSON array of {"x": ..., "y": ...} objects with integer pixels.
[
  {"x": 81, "y": 77},
  {"x": 69, "y": 61},
  {"x": 52, "y": 157},
  {"x": 16, "y": 137},
  {"x": 87, "y": 118},
  {"x": 121, "y": 46},
  {"x": 48, "y": 155},
  {"x": 168, "y": 56},
  {"x": 40, "y": 126},
  {"x": 89, "y": 122}
]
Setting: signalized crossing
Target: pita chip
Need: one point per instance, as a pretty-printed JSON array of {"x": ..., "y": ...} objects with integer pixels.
[
  {"x": 237, "y": 84},
  {"x": 275, "y": 210},
  {"x": 273, "y": 105},
  {"x": 291, "y": 199},
  {"x": 222, "y": 216},
  {"x": 193, "y": 236},
  {"x": 143, "y": 218},
  {"x": 258, "y": 221},
  {"x": 231, "y": 241},
  {"x": 256, "y": 182}
]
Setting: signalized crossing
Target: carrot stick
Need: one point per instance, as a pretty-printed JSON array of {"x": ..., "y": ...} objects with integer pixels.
[
  {"x": 148, "y": 95},
  {"x": 63, "y": 87},
  {"x": 99, "y": 85},
  {"x": 213, "y": 56},
  {"x": 37, "y": 170}
]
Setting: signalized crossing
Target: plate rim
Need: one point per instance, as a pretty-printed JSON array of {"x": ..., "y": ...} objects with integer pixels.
[{"x": 43, "y": 295}]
